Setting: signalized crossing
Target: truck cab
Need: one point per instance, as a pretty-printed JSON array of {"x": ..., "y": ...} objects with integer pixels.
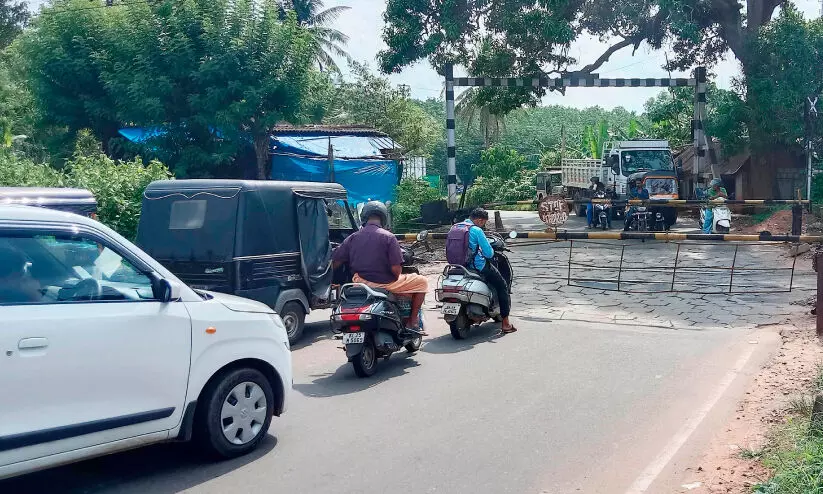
[{"x": 652, "y": 158}]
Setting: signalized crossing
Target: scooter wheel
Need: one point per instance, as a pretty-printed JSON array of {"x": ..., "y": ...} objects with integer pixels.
[
  {"x": 460, "y": 326},
  {"x": 365, "y": 363}
]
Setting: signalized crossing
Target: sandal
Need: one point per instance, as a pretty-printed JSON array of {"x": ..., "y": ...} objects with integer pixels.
[{"x": 509, "y": 330}]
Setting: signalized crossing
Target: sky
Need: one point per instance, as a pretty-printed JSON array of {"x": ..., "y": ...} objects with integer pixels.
[{"x": 363, "y": 23}]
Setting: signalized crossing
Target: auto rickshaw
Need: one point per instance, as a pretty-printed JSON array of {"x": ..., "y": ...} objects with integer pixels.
[
  {"x": 269, "y": 241},
  {"x": 78, "y": 201},
  {"x": 661, "y": 184}
]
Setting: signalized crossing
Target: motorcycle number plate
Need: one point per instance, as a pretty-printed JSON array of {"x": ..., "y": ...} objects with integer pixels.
[
  {"x": 352, "y": 338},
  {"x": 451, "y": 309}
]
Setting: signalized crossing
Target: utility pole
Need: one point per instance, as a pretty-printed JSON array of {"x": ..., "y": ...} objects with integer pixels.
[{"x": 810, "y": 117}]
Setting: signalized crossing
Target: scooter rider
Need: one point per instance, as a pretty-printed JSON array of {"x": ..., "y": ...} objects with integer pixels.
[
  {"x": 481, "y": 262},
  {"x": 594, "y": 188},
  {"x": 639, "y": 191},
  {"x": 715, "y": 191},
  {"x": 375, "y": 258}
]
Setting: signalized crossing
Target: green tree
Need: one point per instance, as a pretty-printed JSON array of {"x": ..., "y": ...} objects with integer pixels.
[
  {"x": 530, "y": 38},
  {"x": 13, "y": 17},
  {"x": 310, "y": 13},
  {"x": 372, "y": 100},
  {"x": 670, "y": 115},
  {"x": 257, "y": 74},
  {"x": 214, "y": 75}
]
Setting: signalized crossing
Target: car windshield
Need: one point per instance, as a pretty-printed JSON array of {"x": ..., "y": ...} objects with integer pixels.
[
  {"x": 661, "y": 186},
  {"x": 637, "y": 160}
]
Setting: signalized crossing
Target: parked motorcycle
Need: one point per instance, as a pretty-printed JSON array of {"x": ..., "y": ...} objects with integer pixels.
[
  {"x": 721, "y": 218},
  {"x": 370, "y": 320},
  {"x": 602, "y": 211},
  {"x": 467, "y": 298}
]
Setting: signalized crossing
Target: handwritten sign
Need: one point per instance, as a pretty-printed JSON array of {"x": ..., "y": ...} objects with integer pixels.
[{"x": 553, "y": 211}]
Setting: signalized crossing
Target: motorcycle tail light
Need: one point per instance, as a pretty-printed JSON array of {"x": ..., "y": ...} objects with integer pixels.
[
  {"x": 352, "y": 317},
  {"x": 354, "y": 329}
]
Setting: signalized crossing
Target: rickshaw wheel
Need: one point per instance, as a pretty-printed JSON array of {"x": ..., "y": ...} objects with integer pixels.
[{"x": 293, "y": 318}]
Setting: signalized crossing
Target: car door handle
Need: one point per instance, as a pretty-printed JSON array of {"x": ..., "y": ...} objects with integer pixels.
[{"x": 32, "y": 343}]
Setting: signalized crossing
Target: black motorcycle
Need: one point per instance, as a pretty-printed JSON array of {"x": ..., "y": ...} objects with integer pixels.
[
  {"x": 370, "y": 320},
  {"x": 601, "y": 211},
  {"x": 640, "y": 219}
]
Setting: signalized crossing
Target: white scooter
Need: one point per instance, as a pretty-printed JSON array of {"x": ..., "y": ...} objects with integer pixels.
[
  {"x": 467, "y": 298},
  {"x": 721, "y": 217}
]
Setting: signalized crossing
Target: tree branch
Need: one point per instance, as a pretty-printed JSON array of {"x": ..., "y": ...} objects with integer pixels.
[{"x": 588, "y": 69}]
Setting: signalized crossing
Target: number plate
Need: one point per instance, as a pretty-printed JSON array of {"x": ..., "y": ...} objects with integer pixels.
[
  {"x": 351, "y": 338},
  {"x": 451, "y": 309}
]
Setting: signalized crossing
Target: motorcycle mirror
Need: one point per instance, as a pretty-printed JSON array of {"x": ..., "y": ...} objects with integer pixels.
[
  {"x": 512, "y": 234},
  {"x": 422, "y": 235}
]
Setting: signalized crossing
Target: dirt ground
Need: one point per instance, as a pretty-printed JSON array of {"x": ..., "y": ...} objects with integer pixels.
[{"x": 730, "y": 465}]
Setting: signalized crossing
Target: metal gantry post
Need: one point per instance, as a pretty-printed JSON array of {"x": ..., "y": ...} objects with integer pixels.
[
  {"x": 451, "y": 150},
  {"x": 698, "y": 132}
]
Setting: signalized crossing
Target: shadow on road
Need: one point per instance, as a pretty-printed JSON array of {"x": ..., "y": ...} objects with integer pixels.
[
  {"x": 312, "y": 332},
  {"x": 160, "y": 469},
  {"x": 343, "y": 381},
  {"x": 486, "y": 333}
]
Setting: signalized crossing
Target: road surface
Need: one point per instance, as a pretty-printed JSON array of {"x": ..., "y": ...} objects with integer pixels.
[{"x": 558, "y": 407}]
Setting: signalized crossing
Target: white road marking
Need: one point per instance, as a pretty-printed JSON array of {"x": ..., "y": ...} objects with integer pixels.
[{"x": 653, "y": 470}]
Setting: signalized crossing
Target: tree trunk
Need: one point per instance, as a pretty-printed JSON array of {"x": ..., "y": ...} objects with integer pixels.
[{"x": 261, "y": 151}]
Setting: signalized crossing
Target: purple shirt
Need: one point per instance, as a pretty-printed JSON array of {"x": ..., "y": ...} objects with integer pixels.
[{"x": 370, "y": 253}]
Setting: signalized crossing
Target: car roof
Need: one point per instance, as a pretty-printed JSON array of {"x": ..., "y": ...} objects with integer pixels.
[{"x": 32, "y": 213}]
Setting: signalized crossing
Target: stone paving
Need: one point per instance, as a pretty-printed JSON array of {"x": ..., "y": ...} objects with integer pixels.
[{"x": 541, "y": 290}]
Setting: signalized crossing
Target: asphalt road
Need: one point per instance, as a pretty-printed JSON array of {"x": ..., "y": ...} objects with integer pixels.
[{"x": 558, "y": 407}]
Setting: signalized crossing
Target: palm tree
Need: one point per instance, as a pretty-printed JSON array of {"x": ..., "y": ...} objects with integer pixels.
[
  {"x": 310, "y": 13},
  {"x": 469, "y": 107}
]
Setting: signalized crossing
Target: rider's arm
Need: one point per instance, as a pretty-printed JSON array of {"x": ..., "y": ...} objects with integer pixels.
[
  {"x": 483, "y": 244},
  {"x": 395, "y": 257},
  {"x": 722, "y": 193},
  {"x": 340, "y": 255}
]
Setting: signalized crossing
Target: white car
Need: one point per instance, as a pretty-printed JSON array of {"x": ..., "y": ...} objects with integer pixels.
[{"x": 102, "y": 349}]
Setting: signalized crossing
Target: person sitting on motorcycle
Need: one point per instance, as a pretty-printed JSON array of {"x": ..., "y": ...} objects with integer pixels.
[
  {"x": 481, "y": 262},
  {"x": 715, "y": 191},
  {"x": 637, "y": 192},
  {"x": 375, "y": 258},
  {"x": 595, "y": 187}
]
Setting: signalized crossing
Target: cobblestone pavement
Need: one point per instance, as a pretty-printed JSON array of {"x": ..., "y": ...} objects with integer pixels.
[{"x": 701, "y": 283}]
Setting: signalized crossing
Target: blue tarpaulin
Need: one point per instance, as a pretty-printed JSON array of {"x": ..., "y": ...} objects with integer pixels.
[{"x": 359, "y": 165}]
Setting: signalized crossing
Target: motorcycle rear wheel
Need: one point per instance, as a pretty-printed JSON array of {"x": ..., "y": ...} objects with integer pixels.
[
  {"x": 460, "y": 326},
  {"x": 365, "y": 363}
]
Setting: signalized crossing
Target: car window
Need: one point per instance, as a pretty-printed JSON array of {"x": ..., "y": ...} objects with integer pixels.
[{"x": 57, "y": 269}]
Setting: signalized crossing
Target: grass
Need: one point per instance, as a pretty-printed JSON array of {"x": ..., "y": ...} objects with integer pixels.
[
  {"x": 765, "y": 213},
  {"x": 795, "y": 451}
]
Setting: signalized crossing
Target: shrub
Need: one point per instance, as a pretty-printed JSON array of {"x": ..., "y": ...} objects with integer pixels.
[
  {"x": 117, "y": 185},
  {"x": 411, "y": 194}
]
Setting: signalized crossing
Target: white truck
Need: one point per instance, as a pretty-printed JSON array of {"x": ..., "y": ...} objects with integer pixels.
[{"x": 642, "y": 160}]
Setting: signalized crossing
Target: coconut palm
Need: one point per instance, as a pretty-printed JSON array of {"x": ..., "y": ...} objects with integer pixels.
[
  {"x": 310, "y": 13},
  {"x": 468, "y": 107}
]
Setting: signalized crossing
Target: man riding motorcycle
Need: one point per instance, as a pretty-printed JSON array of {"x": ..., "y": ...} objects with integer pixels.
[
  {"x": 715, "y": 190},
  {"x": 480, "y": 255},
  {"x": 374, "y": 257},
  {"x": 636, "y": 191}
]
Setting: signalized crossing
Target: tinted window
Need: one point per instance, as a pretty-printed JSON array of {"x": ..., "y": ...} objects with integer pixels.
[
  {"x": 53, "y": 269},
  {"x": 187, "y": 215}
]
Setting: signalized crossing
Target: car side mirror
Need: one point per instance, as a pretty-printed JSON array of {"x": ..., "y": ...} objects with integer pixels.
[{"x": 166, "y": 291}]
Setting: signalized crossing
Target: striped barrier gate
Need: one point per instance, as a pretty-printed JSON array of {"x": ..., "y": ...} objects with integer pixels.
[{"x": 672, "y": 237}]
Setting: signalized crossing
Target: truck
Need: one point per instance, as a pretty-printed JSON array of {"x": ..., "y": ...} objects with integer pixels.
[
  {"x": 549, "y": 182},
  {"x": 623, "y": 163}
]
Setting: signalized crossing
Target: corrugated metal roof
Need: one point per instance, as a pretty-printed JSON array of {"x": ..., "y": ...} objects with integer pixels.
[{"x": 315, "y": 130}]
